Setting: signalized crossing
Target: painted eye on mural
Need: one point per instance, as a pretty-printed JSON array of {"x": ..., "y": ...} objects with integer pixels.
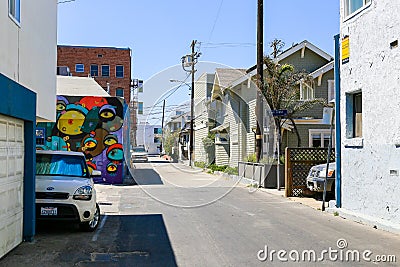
[
  {"x": 107, "y": 114},
  {"x": 60, "y": 106},
  {"x": 90, "y": 144},
  {"x": 110, "y": 141},
  {"x": 111, "y": 168}
]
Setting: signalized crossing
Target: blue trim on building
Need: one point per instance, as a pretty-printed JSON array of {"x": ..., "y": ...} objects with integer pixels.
[
  {"x": 338, "y": 130},
  {"x": 20, "y": 102}
]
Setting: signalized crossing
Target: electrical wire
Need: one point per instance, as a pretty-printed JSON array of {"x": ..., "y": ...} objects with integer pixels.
[
  {"x": 218, "y": 45},
  {"x": 215, "y": 21},
  {"x": 66, "y": 1},
  {"x": 174, "y": 90}
]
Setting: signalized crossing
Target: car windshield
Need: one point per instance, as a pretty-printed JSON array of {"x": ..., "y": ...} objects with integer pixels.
[
  {"x": 139, "y": 149},
  {"x": 61, "y": 165}
]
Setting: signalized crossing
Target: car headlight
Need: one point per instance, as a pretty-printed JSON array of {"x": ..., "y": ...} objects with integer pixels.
[{"x": 83, "y": 193}]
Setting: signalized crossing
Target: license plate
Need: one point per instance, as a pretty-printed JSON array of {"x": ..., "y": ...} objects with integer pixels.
[{"x": 48, "y": 211}]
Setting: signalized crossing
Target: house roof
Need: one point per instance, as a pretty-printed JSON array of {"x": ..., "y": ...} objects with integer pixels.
[
  {"x": 227, "y": 76},
  {"x": 220, "y": 127},
  {"x": 322, "y": 70},
  {"x": 299, "y": 46},
  {"x": 79, "y": 86},
  {"x": 224, "y": 77},
  {"x": 293, "y": 49}
]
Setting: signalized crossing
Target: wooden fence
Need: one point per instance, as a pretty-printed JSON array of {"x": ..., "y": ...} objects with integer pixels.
[{"x": 298, "y": 162}]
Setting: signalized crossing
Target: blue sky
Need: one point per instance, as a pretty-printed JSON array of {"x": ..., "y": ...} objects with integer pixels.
[{"x": 160, "y": 32}]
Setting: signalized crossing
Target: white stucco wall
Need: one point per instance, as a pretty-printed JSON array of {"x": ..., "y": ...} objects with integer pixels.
[
  {"x": 28, "y": 52},
  {"x": 145, "y": 137},
  {"x": 373, "y": 68}
]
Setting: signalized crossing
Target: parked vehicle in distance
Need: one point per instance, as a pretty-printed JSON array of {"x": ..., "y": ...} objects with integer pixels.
[
  {"x": 65, "y": 189},
  {"x": 316, "y": 178},
  {"x": 139, "y": 153}
]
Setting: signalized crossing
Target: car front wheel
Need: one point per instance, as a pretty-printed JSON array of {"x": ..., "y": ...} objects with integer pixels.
[{"x": 92, "y": 225}]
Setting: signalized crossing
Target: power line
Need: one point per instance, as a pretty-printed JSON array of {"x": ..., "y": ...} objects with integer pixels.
[
  {"x": 174, "y": 90},
  {"x": 218, "y": 45},
  {"x": 169, "y": 106},
  {"x": 215, "y": 21},
  {"x": 65, "y": 1}
]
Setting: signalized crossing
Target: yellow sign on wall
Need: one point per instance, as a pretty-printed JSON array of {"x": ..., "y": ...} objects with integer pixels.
[{"x": 345, "y": 50}]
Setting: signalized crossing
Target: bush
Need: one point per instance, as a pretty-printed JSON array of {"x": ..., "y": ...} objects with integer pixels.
[
  {"x": 215, "y": 168},
  {"x": 200, "y": 164},
  {"x": 251, "y": 158},
  {"x": 230, "y": 170}
]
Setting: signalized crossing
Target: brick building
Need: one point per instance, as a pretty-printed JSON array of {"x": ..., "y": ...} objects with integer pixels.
[{"x": 110, "y": 66}]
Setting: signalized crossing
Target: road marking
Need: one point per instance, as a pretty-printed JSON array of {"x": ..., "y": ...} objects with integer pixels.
[
  {"x": 96, "y": 235},
  {"x": 250, "y": 214}
]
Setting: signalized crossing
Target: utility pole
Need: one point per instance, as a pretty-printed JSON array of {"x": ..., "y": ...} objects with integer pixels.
[
  {"x": 162, "y": 127},
  {"x": 260, "y": 75},
  {"x": 190, "y": 61},
  {"x": 132, "y": 107},
  {"x": 192, "y": 107}
]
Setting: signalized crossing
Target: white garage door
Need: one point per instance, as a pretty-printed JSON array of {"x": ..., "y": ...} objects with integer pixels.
[{"x": 11, "y": 182}]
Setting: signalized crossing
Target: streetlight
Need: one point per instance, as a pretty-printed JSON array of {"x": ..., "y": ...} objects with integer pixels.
[{"x": 191, "y": 118}]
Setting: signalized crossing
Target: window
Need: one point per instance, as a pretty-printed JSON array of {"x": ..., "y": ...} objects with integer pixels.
[
  {"x": 140, "y": 86},
  {"x": 177, "y": 126},
  {"x": 157, "y": 131},
  {"x": 61, "y": 165},
  {"x": 357, "y": 113},
  {"x": 79, "y": 68},
  {"x": 306, "y": 92},
  {"x": 14, "y": 10},
  {"x": 119, "y": 71},
  {"x": 140, "y": 108},
  {"x": 94, "y": 70},
  {"x": 354, "y": 115},
  {"x": 351, "y": 6},
  {"x": 105, "y": 70},
  {"x": 157, "y": 140},
  {"x": 119, "y": 92},
  {"x": 221, "y": 138},
  {"x": 331, "y": 90},
  {"x": 320, "y": 138}
]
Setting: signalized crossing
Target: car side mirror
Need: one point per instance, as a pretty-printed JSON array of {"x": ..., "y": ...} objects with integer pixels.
[{"x": 96, "y": 173}]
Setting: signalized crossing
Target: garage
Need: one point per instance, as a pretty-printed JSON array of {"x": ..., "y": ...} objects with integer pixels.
[{"x": 11, "y": 183}]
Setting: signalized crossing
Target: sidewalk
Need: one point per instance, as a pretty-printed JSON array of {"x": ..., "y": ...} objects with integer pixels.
[
  {"x": 330, "y": 207},
  {"x": 308, "y": 201}
]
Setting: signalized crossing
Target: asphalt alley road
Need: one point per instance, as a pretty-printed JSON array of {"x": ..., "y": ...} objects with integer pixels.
[{"x": 176, "y": 216}]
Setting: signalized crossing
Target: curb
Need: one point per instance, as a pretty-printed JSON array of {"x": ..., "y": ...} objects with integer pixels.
[{"x": 365, "y": 219}]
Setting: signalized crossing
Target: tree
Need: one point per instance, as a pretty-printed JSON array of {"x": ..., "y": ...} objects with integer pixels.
[
  {"x": 282, "y": 91},
  {"x": 170, "y": 141}
]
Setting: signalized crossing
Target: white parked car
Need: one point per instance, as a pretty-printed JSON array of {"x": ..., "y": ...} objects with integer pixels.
[
  {"x": 316, "y": 178},
  {"x": 139, "y": 153},
  {"x": 65, "y": 189}
]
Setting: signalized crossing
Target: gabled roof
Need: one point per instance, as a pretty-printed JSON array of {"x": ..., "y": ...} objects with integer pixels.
[
  {"x": 250, "y": 72},
  {"x": 299, "y": 46},
  {"x": 294, "y": 49},
  {"x": 227, "y": 76},
  {"x": 323, "y": 69},
  {"x": 79, "y": 86},
  {"x": 224, "y": 77}
]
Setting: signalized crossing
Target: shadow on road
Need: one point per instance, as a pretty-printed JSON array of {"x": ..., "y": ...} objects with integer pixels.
[
  {"x": 147, "y": 177},
  {"x": 130, "y": 240}
]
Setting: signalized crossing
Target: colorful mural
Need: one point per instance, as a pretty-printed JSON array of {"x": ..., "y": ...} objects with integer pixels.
[{"x": 92, "y": 125}]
